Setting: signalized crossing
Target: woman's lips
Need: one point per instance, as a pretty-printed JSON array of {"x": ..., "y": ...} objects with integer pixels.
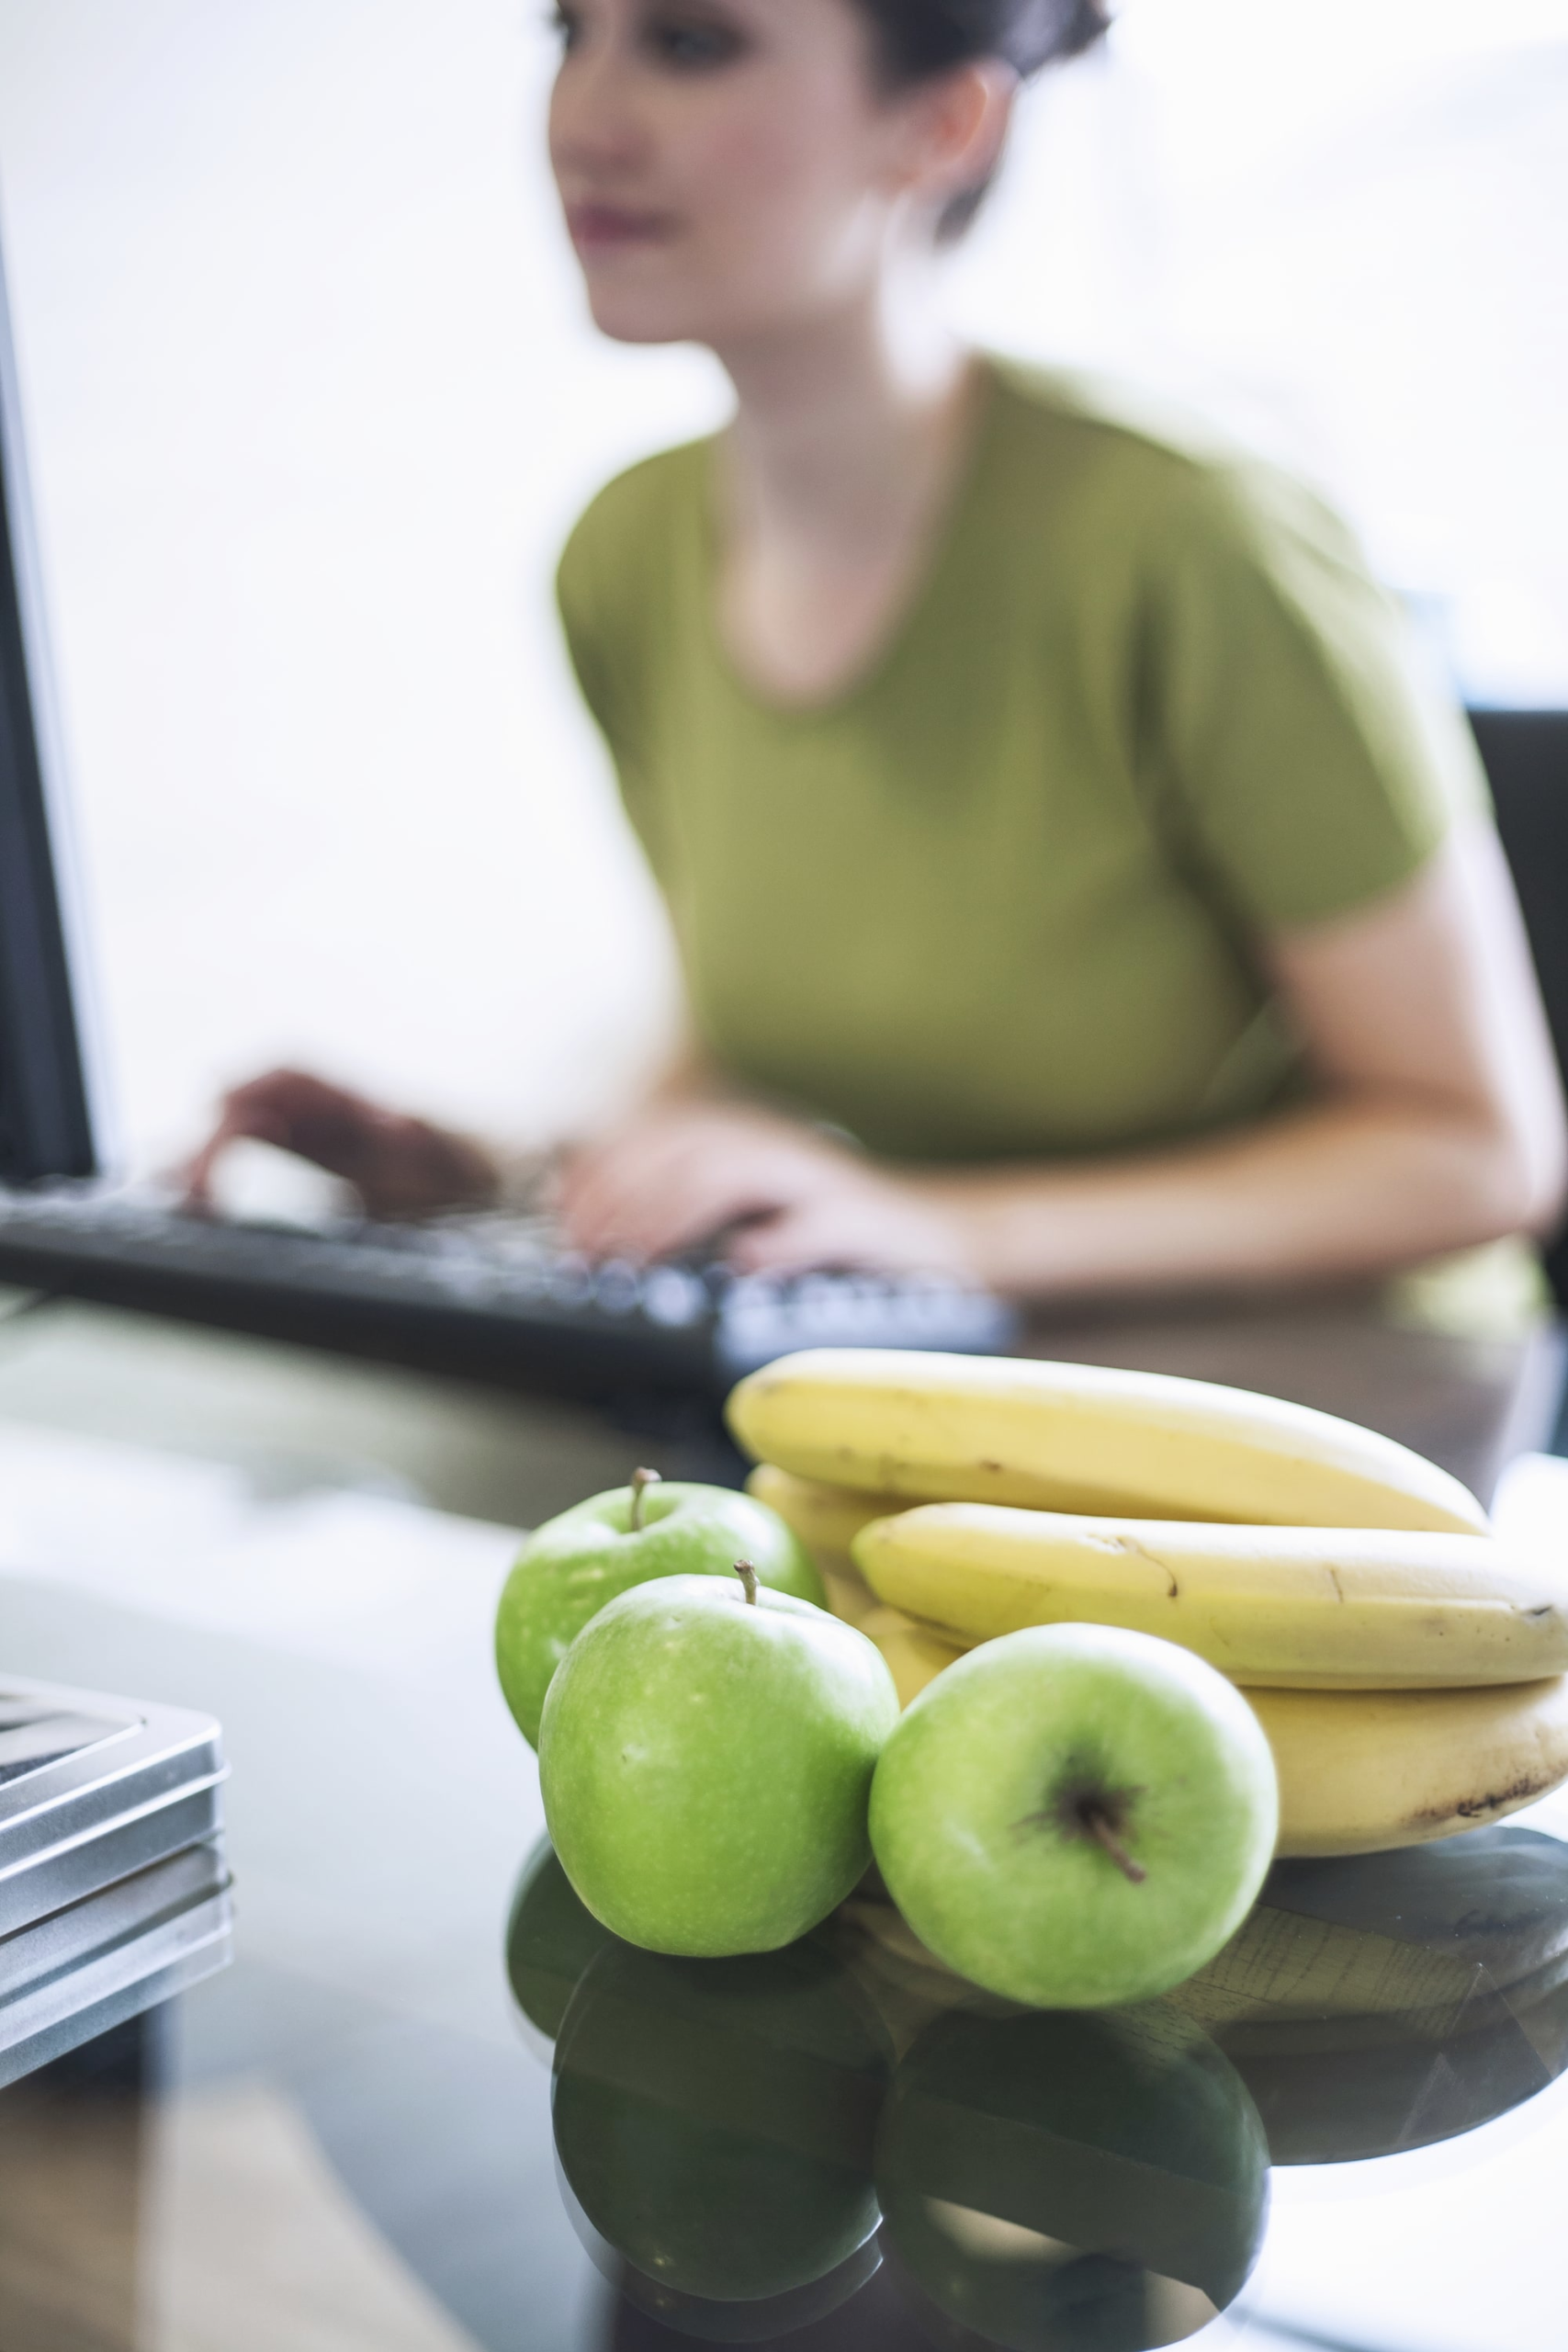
[{"x": 607, "y": 228}]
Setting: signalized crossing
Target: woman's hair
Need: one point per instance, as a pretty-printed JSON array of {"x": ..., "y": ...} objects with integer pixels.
[{"x": 919, "y": 38}]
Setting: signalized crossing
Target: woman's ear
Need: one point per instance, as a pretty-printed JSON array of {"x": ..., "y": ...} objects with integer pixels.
[{"x": 959, "y": 124}]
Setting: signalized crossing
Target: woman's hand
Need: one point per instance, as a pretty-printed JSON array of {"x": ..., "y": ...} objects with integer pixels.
[
  {"x": 773, "y": 1194},
  {"x": 400, "y": 1165}
]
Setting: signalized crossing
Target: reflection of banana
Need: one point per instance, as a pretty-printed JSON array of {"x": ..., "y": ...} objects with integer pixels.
[
  {"x": 1438, "y": 1942},
  {"x": 827, "y": 1520},
  {"x": 1281, "y": 1971},
  {"x": 1390, "y": 2000},
  {"x": 1083, "y": 1437},
  {"x": 1304, "y": 1608},
  {"x": 1361, "y": 1771}
]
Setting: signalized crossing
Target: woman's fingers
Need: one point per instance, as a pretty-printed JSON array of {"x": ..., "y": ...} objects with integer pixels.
[
  {"x": 263, "y": 1110},
  {"x": 600, "y": 1186},
  {"x": 195, "y": 1178},
  {"x": 681, "y": 1199},
  {"x": 400, "y": 1165},
  {"x": 870, "y": 1222},
  {"x": 680, "y": 1179}
]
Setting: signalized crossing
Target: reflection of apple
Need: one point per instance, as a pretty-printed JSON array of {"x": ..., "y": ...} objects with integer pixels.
[
  {"x": 550, "y": 1939},
  {"x": 1075, "y": 1814},
  {"x": 714, "y": 2118},
  {"x": 570, "y": 1568},
  {"x": 702, "y": 2319},
  {"x": 705, "y": 1757},
  {"x": 1064, "y": 2183}
]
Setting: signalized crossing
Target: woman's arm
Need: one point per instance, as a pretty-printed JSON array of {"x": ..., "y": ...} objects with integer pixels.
[{"x": 1438, "y": 1123}]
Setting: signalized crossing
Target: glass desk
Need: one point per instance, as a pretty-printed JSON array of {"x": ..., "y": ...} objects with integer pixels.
[{"x": 1351, "y": 2133}]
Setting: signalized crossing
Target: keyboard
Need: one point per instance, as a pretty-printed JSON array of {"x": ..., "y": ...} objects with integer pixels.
[{"x": 488, "y": 1295}]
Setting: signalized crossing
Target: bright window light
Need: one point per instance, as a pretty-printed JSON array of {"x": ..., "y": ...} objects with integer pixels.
[{"x": 1340, "y": 224}]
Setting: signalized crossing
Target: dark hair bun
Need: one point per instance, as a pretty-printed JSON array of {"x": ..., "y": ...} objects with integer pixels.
[
  {"x": 1041, "y": 32},
  {"x": 922, "y": 36}
]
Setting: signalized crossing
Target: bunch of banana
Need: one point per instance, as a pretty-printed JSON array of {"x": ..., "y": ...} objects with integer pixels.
[{"x": 1412, "y": 1676}]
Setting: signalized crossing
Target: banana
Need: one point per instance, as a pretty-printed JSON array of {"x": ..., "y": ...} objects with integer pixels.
[
  {"x": 1360, "y": 1771},
  {"x": 1306, "y": 1608},
  {"x": 914, "y": 1653},
  {"x": 1083, "y": 1437},
  {"x": 827, "y": 1520}
]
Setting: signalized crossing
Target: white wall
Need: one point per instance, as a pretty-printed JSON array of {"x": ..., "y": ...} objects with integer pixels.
[
  {"x": 312, "y": 401},
  {"x": 312, "y": 405}
]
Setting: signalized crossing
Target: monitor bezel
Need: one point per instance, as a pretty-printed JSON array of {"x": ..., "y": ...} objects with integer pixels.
[{"x": 51, "y": 1097}]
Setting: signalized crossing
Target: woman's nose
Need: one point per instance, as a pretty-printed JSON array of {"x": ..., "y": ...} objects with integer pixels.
[{"x": 595, "y": 122}]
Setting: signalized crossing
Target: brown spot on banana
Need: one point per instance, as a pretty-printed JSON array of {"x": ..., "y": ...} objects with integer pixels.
[{"x": 1519, "y": 1791}]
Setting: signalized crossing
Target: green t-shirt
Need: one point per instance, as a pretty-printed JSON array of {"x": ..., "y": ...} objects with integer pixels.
[{"x": 1000, "y": 898}]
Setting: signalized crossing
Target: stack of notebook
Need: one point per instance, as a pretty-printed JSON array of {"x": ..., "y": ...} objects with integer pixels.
[{"x": 114, "y": 1891}]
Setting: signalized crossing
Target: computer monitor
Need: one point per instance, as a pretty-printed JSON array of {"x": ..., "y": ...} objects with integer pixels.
[{"x": 47, "y": 1126}]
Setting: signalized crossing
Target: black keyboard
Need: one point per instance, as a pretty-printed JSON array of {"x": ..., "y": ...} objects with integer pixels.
[{"x": 488, "y": 1295}]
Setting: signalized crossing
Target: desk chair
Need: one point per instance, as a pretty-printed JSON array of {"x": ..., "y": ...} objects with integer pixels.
[{"x": 1526, "y": 757}]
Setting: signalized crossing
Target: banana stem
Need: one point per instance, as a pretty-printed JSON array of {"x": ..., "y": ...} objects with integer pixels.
[
  {"x": 641, "y": 1481},
  {"x": 747, "y": 1576}
]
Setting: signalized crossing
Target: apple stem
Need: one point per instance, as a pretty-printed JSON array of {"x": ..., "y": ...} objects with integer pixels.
[
  {"x": 747, "y": 1576},
  {"x": 1096, "y": 1821},
  {"x": 641, "y": 1481}
]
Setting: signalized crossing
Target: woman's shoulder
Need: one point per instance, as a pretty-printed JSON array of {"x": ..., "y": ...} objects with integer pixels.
[
  {"x": 625, "y": 527},
  {"x": 614, "y": 581},
  {"x": 1155, "y": 467},
  {"x": 1119, "y": 419}
]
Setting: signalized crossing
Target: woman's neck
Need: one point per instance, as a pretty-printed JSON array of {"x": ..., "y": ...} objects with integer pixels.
[
  {"x": 848, "y": 436},
  {"x": 848, "y": 431}
]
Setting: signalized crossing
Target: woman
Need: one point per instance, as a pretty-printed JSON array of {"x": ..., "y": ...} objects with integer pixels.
[{"x": 1074, "y": 888}]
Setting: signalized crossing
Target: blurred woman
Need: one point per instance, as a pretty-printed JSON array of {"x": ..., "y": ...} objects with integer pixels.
[{"x": 1075, "y": 885}]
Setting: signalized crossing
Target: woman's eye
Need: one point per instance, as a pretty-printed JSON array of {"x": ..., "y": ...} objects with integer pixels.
[
  {"x": 564, "y": 24},
  {"x": 692, "y": 44}
]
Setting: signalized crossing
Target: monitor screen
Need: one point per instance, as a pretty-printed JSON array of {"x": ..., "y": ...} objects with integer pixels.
[{"x": 46, "y": 1124}]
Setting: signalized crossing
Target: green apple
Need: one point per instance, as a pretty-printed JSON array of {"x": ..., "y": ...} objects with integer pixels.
[
  {"x": 1075, "y": 1816},
  {"x": 550, "y": 1939},
  {"x": 705, "y": 1758},
  {"x": 570, "y": 1568},
  {"x": 1055, "y": 2181},
  {"x": 715, "y": 2120}
]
